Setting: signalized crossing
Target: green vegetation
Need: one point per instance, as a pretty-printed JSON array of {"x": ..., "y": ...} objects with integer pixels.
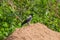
[{"x": 45, "y": 11}]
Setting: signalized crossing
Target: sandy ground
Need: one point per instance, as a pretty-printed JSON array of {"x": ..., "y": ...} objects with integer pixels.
[{"x": 34, "y": 32}]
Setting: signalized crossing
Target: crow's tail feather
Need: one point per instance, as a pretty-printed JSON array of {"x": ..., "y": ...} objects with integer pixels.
[{"x": 22, "y": 24}]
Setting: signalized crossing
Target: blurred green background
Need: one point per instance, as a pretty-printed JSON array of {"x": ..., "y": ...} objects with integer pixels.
[{"x": 44, "y": 11}]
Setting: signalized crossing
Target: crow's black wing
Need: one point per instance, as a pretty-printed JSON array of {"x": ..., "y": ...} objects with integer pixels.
[{"x": 26, "y": 21}]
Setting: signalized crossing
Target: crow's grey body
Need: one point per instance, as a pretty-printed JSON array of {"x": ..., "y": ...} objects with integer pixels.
[{"x": 27, "y": 20}]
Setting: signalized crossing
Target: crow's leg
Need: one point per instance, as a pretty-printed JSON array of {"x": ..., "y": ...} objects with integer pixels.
[{"x": 28, "y": 23}]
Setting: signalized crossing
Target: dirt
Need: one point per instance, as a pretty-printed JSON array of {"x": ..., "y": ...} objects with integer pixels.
[{"x": 36, "y": 31}]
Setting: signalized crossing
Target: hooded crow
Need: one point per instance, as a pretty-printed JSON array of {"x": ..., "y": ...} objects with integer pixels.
[{"x": 27, "y": 20}]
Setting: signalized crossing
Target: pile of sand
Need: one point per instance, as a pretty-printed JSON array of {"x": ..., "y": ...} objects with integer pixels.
[{"x": 34, "y": 32}]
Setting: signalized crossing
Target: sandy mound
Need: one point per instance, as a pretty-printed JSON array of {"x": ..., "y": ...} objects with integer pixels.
[{"x": 34, "y": 32}]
